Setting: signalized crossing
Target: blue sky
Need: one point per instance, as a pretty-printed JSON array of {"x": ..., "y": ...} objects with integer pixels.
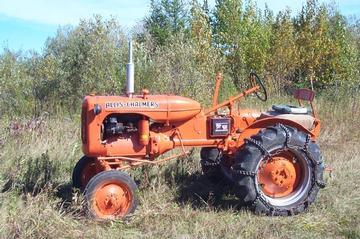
[{"x": 26, "y": 24}]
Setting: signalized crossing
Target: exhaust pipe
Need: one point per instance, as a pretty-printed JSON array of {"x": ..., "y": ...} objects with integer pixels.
[{"x": 130, "y": 73}]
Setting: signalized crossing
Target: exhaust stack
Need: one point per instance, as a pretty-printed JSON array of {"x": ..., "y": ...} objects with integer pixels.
[{"x": 130, "y": 73}]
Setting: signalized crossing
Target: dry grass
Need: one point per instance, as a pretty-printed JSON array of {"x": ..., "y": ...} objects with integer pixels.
[{"x": 176, "y": 201}]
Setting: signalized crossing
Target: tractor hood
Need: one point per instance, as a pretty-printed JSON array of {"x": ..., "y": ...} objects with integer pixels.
[{"x": 159, "y": 108}]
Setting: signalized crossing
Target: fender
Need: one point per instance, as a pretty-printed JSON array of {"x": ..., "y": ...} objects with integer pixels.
[{"x": 263, "y": 123}]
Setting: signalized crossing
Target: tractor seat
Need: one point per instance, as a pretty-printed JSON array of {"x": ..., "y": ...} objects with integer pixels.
[
  {"x": 299, "y": 115},
  {"x": 290, "y": 109}
]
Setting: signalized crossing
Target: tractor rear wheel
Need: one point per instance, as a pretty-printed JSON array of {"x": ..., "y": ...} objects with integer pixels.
[
  {"x": 279, "y": 171},
  {"x": 110, "y": 195},
  {"x": 210, "y": 164},
  {"x": 83, "y": 171}
]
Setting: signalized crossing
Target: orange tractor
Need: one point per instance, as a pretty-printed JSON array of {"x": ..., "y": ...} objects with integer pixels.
[{"x": 271, "y": 157}]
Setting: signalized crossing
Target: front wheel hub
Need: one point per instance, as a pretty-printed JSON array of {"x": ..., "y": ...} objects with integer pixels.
[{"x": 112, "y": 199}]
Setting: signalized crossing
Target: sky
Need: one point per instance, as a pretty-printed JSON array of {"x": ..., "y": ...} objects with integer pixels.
[{"x": 26, "y": 24}]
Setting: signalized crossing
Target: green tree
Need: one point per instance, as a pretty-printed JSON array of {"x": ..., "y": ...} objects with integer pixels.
[
  {"x": 227, "y": 35},
  {"x": 88, "y": 58},
  {"x": 243, "y": 37},
  {"x": 343, "y": 58},
  {"x": 175, "y": 70},
  {"x": 284, "y": 57},
  {"x": 312, "y": 41},
  {"x": 327, "y": 53},
  {"x": 256, "y": 38},
  {"x": 16, "y": 87},
  {"x": 201, "y": 35},
  {"x": 167, "y": 17}
]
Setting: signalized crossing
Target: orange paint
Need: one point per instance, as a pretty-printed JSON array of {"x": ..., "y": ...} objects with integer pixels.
[
  {"x": 112, "y": 199},
  {"x": 279, "y": 176},
  {"x": 217, "y": 88},
  {"x": 144, "y": 131}
]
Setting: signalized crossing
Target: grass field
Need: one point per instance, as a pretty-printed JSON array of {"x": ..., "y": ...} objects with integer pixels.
[{"x": 176, "y": 201}]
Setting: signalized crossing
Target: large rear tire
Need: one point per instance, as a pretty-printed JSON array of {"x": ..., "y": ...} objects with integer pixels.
[
  {"x": 110, "y": 195},
  {"x": 279, "y": 171}
]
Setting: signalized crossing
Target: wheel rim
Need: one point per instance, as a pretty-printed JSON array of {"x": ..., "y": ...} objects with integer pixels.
[
  {"x": 88, "y": 172},
  {"x": 284, "y": 179},
  {"x": 112, "y": 199}
]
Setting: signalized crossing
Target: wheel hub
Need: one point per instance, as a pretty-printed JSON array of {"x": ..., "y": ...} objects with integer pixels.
[
  {"x": 279, "y": 176},
  {"x": 112, "y": 199}
]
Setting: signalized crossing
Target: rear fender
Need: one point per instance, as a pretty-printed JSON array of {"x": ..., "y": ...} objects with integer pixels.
[{"x": 264, "y": 123}]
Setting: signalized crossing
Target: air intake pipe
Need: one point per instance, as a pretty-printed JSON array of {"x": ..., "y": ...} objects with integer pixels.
[{"x": 130, "y": 73}]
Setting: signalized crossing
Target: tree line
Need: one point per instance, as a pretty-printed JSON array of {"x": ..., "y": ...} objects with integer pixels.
[{"x": 179, "y": 46}]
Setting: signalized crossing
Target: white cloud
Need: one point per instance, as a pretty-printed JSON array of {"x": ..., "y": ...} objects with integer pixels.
[{"x": 63, "y": 12}]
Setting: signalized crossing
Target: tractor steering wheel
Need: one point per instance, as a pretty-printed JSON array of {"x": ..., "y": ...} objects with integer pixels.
[{"x": 256, "y": 81}]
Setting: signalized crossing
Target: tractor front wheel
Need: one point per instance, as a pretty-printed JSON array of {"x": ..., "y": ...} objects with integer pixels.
[
  {"x": 279, "y": 171},
  {"x": 110, "y": 195}
]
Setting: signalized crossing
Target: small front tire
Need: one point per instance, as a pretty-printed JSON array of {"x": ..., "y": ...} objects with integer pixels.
[{"x": 110, "y": 195}]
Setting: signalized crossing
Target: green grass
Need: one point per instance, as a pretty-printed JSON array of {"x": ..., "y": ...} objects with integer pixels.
[{"x": 176, "y": 201}]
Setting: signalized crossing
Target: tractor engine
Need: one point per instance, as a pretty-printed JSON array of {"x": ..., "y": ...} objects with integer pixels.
[
  {"x": 118, "y": 126},
  {"x": 126, "y": 126}
]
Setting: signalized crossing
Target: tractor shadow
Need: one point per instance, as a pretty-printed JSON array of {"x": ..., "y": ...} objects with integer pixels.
[
  {"x": 71, "y": 200},
  {"x": 198, "y": 191},
  {"x": 65, "y": 192}
]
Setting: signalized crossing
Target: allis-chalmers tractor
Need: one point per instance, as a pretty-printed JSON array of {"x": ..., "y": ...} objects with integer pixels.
[{"x": 271, "y": 157}]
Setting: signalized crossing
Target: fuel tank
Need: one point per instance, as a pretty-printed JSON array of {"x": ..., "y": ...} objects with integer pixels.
[{"x": 159, "y": 108}]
